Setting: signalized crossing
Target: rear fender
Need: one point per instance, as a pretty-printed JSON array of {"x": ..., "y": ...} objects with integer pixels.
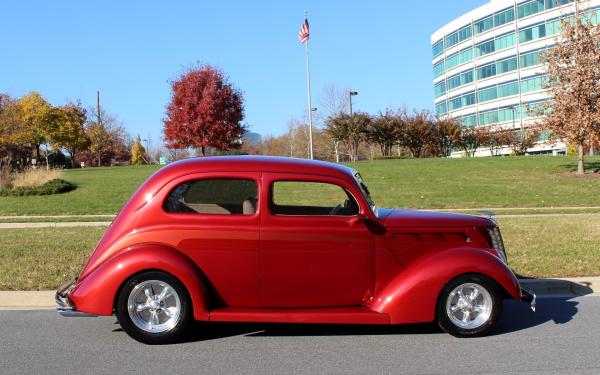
[
  {"x": 411, "y": 296},
  {"x": 97, "y": 292}
]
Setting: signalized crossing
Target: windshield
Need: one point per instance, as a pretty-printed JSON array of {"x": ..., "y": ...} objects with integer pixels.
[{"x": 365, "y": 191}]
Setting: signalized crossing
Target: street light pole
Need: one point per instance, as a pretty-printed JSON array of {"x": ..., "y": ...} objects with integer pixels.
[{"x": 350, "y": 95}]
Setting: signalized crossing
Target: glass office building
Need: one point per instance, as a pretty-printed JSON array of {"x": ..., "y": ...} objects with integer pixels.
[{"x": 486, "y": 64}]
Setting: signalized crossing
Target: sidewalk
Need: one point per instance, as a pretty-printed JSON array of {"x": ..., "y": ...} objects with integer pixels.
[{"x": 543, "y": 288}]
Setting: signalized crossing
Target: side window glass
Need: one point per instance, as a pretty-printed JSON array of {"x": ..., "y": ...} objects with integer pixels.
[
  {"x": 302, "y": 198},
  {"x": 214, "y": 196}
]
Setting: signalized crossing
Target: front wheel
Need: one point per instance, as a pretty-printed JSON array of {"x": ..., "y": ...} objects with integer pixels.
[
  {"x": 469, "y": 305},
  {"x": 154, "y": 308}
]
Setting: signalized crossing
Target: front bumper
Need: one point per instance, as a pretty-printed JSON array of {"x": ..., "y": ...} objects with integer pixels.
[
  {"x": 529, "y": 297},
  {"x": 67, "y": 308}
]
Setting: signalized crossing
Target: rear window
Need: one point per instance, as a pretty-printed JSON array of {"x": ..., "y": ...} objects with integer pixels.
[{"x": 214, "y": 196}]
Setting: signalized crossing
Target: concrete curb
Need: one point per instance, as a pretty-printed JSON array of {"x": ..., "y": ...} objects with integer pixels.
[{"x": 560, "y": 287}]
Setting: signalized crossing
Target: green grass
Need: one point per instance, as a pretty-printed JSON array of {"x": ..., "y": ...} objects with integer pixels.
[
  {"x": 553, "y": 246},
  {"x": 99, "y": 191},
  {"x": 39, "y": 259},
  {"x": 530, "y": 181}
]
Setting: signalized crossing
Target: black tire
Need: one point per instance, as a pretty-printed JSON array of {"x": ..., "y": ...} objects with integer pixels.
[
  {"x": 445, "y": 321},
  {"x": 170, "y": 335}
]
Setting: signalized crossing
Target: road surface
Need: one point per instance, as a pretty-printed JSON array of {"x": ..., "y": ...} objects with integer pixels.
[{"x": 562, "y": 337}]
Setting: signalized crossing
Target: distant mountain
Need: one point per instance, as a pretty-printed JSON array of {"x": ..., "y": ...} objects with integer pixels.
[{"x": 251, "y": 137}]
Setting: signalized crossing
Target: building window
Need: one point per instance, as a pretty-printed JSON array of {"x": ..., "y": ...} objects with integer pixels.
[
  {"x": 440, "y": 89},
  {"x": 438, "y": 69},
  {"x": 438, "y": 48},
  {"x": 531, "y": 58},
  {"x": 534, "y": 84},
  {"x": 459, "y": 58},
  {"x": 458, "y": 36},
  {"x": 441, "y": 109}
]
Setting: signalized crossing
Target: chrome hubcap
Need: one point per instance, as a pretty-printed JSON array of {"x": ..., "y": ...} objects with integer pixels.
[
  {"x": 469, "y": 306},
  {"x": 154, "y": 306}
]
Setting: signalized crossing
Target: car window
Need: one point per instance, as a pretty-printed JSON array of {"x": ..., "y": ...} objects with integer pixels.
[
  {"x": 311, "y": 198},
  {"x": 214, "y": 196}
]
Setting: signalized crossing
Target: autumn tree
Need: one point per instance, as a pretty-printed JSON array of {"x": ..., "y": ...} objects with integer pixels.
[
  {"x": 471, "y": 139},
  {"x": 205, "y": 111},
  {"x": 107, "y": 137},
  {"x": 418, "y": 132},
  {"x": 573, "y": 111},
  {"x": 138, "y": 152},
  {"x": 447, "y": 136},
  {"x": 385, "y": 130},
  {"x": 12, "y": 135},
  {"x": 33, "y": 111},
  {"x": 520, "y": 140},
  {"x": 66, "y": 129},
  {"x": 351, "y": 131}
]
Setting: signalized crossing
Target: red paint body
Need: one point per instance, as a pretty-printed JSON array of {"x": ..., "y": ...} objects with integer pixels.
[{"x": 380, "y": 267}]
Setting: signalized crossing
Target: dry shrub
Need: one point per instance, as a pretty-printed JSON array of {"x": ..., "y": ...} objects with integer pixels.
[{"x": 34, "y": 177}]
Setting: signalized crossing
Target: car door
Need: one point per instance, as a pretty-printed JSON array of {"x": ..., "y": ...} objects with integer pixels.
[
  {"x": 309, "y": 256},
  {"x": 213, "y": 218}
]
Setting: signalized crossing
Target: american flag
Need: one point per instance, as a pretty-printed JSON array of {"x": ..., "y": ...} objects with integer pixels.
[{"x": 303, "y": 34}]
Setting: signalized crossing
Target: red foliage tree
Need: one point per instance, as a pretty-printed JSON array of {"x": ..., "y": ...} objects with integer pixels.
[{"x": 205, "y": 111}]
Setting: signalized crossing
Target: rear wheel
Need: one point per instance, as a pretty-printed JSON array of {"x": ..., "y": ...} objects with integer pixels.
[
  {"x": 154, "y": 308},
  {"x": 469, "y": 305}
]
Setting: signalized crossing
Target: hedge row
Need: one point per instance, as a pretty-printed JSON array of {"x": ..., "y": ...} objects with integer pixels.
[{"x": 56, "y": 186}]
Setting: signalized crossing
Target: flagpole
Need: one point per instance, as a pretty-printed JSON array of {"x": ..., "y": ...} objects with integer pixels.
[{"x": 310, "y": 137}]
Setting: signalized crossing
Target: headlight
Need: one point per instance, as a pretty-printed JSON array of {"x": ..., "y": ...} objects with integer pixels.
[{"x": 497, "y": 242}]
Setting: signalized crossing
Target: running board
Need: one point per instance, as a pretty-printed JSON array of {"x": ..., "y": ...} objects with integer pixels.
[{"x": 332, "y": 315}]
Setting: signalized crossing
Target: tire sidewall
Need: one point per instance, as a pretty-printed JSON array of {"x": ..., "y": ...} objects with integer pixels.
[
  {"x": 490, "y": 285},
  {"x": 132, "y": 330}
]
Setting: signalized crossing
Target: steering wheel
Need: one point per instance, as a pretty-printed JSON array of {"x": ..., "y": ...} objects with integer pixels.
[{"x": 336, "y": 209}]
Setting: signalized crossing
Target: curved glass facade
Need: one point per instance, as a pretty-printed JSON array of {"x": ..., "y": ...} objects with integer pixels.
[{"x": 487, "y": 64}]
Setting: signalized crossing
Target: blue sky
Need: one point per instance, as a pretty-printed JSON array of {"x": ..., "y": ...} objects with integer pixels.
[{"x": 66, "y": 50}]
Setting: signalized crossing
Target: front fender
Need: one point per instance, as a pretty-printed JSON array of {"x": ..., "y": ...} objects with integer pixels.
[
  {"x": 96, "y": 293},
  {"x": 411, "y": 296}
]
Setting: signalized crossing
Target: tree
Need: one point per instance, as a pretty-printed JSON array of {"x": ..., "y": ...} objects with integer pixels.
[
  {"x": 473, "y": 138},
  {"x": 497, "y": 140},
  {"x": 523, "y": 139},
  {"x": 385, "y": 130},
  {"x": 447, "y": 135},
  {"x": 573, "y": 111},
  {"x": 418, "y": 132},
  {"x": 205, "y": 111},
  {"x": 107, "y": 138},
  {"x": 138, "y": 152},
  {"x": 12, "y": 135},
  {"x": 34, "y": 109},
  {"x": 349, "y": 130},
  {"x": 67, "y": 129}
]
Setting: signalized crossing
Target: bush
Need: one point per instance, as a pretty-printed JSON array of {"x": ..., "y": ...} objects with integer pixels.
[{"x": 56, "y": 186}]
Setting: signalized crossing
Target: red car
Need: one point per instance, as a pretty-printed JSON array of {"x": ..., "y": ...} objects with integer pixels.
[{"x": 265, "y": 239}]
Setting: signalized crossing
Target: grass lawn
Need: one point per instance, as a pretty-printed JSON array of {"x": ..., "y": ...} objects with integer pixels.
[
  {"x": 38, "y": 259},
  {"x": 530, "y": 181}
]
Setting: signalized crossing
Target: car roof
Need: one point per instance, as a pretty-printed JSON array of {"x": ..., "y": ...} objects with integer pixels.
[
  {"x": 257, "y": 164},
  {"x": 250, "y": 163}
]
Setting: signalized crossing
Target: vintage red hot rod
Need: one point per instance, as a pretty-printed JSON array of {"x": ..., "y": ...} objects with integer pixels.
[{"x": 265, "y": 239}]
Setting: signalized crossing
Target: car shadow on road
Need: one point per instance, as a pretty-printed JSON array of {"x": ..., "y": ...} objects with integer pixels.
[{"x": 516, "y": 316}]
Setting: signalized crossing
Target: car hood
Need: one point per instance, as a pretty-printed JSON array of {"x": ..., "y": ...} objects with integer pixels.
[{"x": 412, "y": 218}]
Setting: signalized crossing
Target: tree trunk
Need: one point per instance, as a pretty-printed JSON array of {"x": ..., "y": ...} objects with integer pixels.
[
  {"x": 580, "y": 170},
  {"x": 203, "y": 151},
  {"x": 72, "y": 152}
]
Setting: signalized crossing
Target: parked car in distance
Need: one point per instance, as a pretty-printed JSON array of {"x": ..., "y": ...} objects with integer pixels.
[{"x": 268, "y": 239}]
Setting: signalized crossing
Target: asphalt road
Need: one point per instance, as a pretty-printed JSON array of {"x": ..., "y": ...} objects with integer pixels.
[{"x": 562, "y": 337}]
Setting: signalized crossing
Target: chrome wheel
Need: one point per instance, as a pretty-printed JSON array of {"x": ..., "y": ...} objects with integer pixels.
[
  {"x": 154, "y": 306},
  {"x": 469, "y": 306}
]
